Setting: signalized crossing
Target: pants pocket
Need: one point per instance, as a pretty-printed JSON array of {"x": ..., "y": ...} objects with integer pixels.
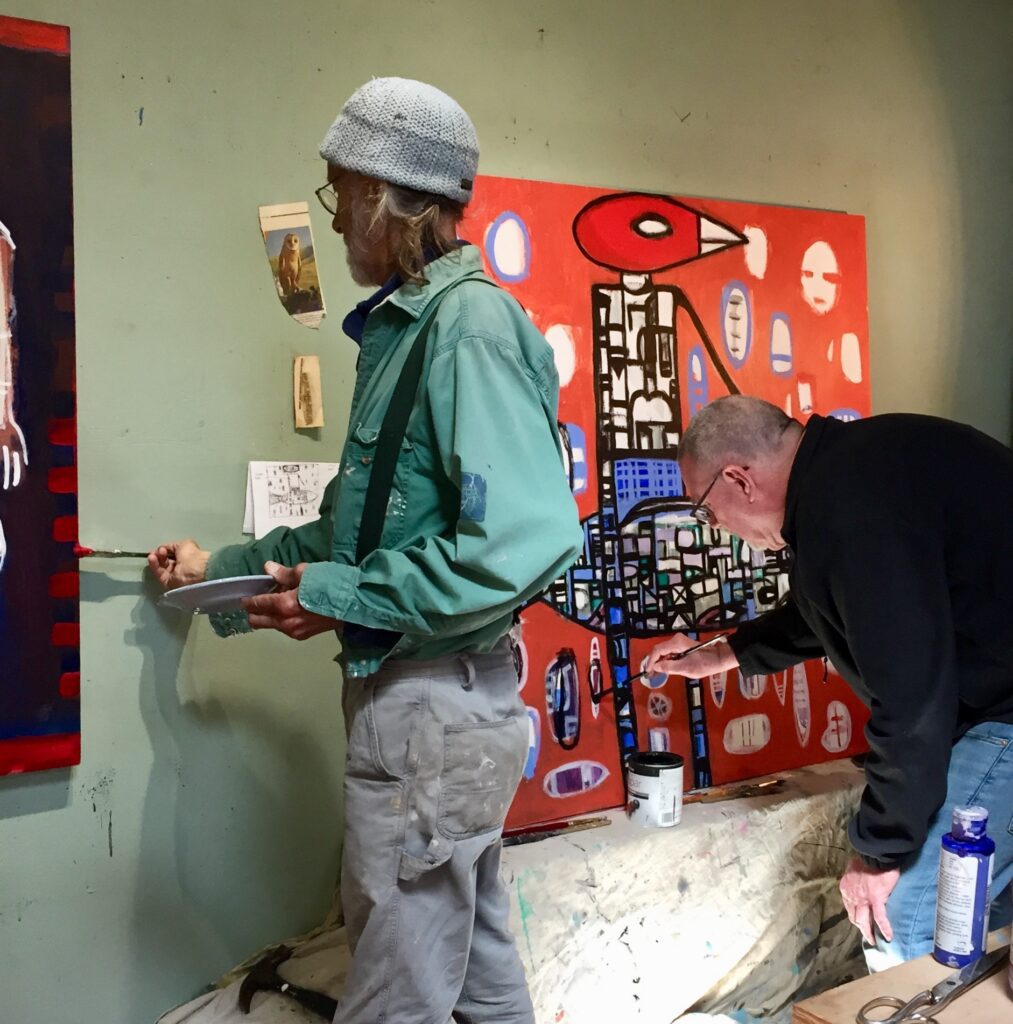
[
  {"x": 384, "y": 717},
  {"x": 482, "y": 765}
]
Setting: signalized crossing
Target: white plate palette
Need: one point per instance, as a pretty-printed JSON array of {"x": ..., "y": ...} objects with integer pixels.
[{"x": 217, "y": 595}]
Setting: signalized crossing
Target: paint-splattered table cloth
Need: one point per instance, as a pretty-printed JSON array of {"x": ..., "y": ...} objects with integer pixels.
[{"x": 736, "y": 907}]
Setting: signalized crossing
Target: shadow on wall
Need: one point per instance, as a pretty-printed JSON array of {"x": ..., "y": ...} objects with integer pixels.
[
  {"x": 218, "y": 858},
  {"x": 976, "y": 98}
]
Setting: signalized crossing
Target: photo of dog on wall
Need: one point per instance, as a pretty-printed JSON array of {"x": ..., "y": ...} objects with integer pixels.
[{"x": 295, "y": 269}]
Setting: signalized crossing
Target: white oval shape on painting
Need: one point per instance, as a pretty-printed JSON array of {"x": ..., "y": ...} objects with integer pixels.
[
  {"x": 509, "y": 247},
  {"x": 805, "y": 398},
  {"x": 837, "y": 735},
  {"x": 563, "y": 352},
  {"x": 780, "y": 346},
  {"x": 787, "y": 404},
  {"x": 830, "y": 351},
  {"x": 752, "y": 687},
  {"x": 800, "y": 704},
  {"x": 574, "y": 777},
  {"x": 696, "y": 367},
  {"x": 718, "y": 683},
  {"x": 756, "y": 251},
  {"x": 851, "y": 358},
  {"x": 653, "y": 227},
  {"x": 781, "y": 685},
  {"x": 747, "y": 734}
]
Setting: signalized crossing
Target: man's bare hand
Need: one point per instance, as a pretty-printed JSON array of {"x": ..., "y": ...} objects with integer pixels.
[
  {"x": 711, "y": 660},
  {"x": 282, "y": 610},
  {"x": 864, "y": 892},
  {"x": 179, "y": 563}
]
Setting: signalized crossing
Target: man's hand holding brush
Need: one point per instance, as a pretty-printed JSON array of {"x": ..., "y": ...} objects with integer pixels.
[{"x": 668, "y": 658}]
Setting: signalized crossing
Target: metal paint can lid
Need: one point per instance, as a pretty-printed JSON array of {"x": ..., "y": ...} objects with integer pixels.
[{"x": 653, "y": 762}]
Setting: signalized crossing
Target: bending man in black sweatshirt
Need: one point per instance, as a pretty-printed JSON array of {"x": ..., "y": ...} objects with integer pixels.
[{"x": 901, "y": 527}]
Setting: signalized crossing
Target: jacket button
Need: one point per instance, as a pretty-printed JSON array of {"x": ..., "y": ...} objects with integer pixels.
[{"x": 366, "y": 460}]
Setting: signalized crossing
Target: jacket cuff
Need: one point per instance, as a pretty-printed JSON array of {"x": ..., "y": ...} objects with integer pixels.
[
  {"x": 739, "y": 642},
  {"x": 328, "y": 588},
  {"x": 221, "y": 565},
  {"x": 879, "y": 863}
]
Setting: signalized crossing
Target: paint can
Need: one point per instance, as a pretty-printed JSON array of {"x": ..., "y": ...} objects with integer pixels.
[{"x": 654, "y": 785}]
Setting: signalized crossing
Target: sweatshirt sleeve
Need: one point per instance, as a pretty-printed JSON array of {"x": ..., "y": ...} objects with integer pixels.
[
  {"x": 887, "y": 583},
  {"x": 775, "y": 641},
  {"x": 517, "y": 527},
  {"x": 307, "y": 543}
]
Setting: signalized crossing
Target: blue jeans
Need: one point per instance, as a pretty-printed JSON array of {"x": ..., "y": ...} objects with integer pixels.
[{"x": 981, "y": 772}]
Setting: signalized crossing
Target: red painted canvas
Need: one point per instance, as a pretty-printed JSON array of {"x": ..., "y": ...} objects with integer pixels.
[
  {"x": 39, "y": 660},
  {"x": 655, "y": 305}
]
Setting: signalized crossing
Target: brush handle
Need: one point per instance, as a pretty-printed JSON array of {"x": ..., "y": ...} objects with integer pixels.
[{"x": 83, "y": 552}]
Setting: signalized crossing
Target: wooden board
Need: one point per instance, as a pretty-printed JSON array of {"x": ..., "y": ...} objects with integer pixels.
[{"x": 988, "y": 1002}]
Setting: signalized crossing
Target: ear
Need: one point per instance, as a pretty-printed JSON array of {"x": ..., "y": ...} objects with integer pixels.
[{"x": 741, "y": 479}]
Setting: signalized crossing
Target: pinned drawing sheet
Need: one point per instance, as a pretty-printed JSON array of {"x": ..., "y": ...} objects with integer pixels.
[
  {"x": 284, "y": 494},
  {"x": 290, "y": 250}
]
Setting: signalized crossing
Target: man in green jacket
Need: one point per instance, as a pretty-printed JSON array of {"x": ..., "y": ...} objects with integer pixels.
[{"x": 478, "y": 521}]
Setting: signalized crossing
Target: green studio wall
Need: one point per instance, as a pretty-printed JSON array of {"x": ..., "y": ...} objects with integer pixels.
[{"x": 205, "y": 818}]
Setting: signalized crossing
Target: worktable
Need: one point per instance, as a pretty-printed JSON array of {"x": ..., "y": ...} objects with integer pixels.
[
  {"x": 737, "y": 906},
  {"x": 988, "y": 1002}
]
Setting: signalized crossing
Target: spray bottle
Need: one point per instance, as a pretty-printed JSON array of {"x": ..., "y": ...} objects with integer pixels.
[{"x": 964, "y": 889}]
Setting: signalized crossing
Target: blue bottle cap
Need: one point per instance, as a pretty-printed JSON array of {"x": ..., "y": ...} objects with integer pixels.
[{"x": 969, "y": 822}]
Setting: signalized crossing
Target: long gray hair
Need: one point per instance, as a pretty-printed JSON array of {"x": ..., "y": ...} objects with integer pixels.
[{"x": 412, "y": 218}]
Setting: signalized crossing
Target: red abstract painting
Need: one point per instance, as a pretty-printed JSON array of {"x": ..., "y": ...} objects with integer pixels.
[
  {"x": 39, "y": 641},
  {"x": 655, "y": 305}
]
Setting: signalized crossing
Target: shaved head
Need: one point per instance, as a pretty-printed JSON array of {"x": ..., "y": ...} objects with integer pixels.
[{"x": 737, "y": 429}]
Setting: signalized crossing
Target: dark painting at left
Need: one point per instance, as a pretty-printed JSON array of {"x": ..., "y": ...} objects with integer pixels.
[{"x": 40, "y": 722}]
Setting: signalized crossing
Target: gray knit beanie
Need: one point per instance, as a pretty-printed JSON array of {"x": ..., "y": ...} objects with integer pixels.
[{"x": 407, "y": 133}]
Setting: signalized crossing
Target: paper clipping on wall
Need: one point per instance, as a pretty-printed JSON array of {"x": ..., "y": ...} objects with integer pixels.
[
  {"x": 288, "y": 238},
  {"x": 284, "y": 494}
]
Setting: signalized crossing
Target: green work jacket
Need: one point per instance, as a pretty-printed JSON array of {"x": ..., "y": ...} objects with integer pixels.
[{"x": 480, "y": 517}]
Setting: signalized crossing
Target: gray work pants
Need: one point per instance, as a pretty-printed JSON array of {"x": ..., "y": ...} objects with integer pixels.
[{"x": 435, "y": 753}]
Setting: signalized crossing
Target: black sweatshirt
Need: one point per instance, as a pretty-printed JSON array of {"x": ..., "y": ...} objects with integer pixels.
[{"x": 901, "y": 528}]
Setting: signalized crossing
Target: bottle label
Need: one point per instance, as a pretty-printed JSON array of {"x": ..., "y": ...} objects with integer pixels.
[{"x": 955, "y": 903}]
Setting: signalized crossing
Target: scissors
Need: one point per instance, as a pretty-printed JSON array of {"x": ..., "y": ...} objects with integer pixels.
[{"x": 935, "y": 998}]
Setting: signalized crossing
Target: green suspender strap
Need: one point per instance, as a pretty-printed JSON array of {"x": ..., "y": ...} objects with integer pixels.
[{"x": 392, "y": 433}]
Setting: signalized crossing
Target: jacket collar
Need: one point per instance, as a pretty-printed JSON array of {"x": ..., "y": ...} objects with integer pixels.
[
  {"x": 440, "y": 274},
  {"x": 808, "y": 449}
]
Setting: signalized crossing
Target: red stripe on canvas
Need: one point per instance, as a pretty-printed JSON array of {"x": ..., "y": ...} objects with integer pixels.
[
  {"x": 65, "y": 634},
  {"x": 70, "y": 685},
  {"x": 65, "y": 529},
  {"x": 36, "y": 753},
  {"x": 63, "y": 480},
  {"x": 64, "y": 584},
  {"x": 62, "y": 432},
  {"x": 34, "y": 35}
]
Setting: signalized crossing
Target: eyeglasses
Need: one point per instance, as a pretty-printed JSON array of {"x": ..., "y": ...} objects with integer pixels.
[
  {"x": 328, "y": 196},
  {"x": 701, "y": 512}
]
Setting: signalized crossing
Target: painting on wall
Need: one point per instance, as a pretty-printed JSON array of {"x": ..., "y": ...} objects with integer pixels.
[
  {"x": 654, "y": 305},
  {"x": 39, "y": 659}
]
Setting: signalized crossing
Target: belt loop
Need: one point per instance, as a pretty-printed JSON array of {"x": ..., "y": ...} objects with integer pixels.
[{"x": 469, "y": 672}]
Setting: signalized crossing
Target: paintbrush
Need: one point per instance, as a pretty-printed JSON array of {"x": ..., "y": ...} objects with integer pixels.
[
  {"x": 683, "y": 654},
  {"x": 713, "y": 794},
  {"x": 83, "y": 552},
  {"x": 596, "y": 698},
  {"x": 554, "y": 828}
]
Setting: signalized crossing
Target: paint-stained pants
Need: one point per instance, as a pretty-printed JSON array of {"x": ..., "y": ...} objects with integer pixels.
[
  {"x": 435, "y": 754},
  {"x": 981, "y": 772}
]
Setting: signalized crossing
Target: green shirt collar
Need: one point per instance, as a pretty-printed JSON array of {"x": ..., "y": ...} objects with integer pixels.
[{"x": 441, "y": 273}]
